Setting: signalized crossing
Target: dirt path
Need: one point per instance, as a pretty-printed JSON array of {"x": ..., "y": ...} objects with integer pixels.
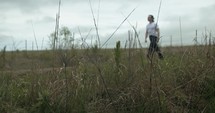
[{"x": 38, "y": 70}]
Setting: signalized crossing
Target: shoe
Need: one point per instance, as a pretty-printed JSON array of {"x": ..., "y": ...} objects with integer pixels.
[
  {"x": 148, "y": 56},
  {"x": 160, "y": 56}
]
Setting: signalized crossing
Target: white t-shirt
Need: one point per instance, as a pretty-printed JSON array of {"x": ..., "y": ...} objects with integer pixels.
[{"x": 151, "y": 29}]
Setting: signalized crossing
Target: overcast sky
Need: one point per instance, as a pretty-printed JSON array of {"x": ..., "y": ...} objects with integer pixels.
[{"x": 19, "y": 19}]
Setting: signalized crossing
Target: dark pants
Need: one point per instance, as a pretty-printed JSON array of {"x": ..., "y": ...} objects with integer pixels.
[{"x": 153, "y": 47}]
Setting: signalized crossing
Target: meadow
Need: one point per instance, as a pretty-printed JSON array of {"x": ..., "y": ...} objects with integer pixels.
[{"x": 119, "y": 80}]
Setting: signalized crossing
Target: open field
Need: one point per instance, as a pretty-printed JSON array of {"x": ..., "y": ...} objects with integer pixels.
[{"x": 108, "y": 81}]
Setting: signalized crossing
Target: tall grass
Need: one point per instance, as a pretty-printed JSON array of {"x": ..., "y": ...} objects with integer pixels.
[{"x": 111, "y": 80}]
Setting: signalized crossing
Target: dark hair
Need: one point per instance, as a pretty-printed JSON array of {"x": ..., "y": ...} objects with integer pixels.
[{"x": 152, "y": 17}]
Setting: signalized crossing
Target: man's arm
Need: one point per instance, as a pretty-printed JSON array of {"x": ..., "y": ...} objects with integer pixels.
[
  {"x": 146, "y": 35},
  {"x": 158, "y": 31}
]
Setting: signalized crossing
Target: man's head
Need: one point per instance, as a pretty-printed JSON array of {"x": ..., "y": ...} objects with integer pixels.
[{"x": 151, "y": 18}]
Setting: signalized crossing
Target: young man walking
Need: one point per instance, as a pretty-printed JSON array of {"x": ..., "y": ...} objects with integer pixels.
[{"x": 152, "y": 30}]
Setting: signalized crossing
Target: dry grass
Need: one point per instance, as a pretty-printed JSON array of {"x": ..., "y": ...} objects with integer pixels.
[{"x": 102, "y": 80}]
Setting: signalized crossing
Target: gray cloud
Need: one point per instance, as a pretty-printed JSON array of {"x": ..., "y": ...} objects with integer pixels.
[
  {"x": 47, "y": 19},
  {"x": 26, "y": 6},
  {"x": 29, "y": 6},
  {"x": 83, "y": 29},
  {"x": 206, "y": 15},
  {"x": 5, "y": 37},
  {"x": 43, "y": 20},
  {"x": 2, "y": 18}
]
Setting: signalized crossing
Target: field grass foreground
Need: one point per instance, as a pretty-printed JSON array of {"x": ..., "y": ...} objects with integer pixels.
[{"x": 108, "y": 81}]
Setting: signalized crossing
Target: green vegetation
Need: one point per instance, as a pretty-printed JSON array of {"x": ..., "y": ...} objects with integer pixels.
[{"x": 108, "y": 81}]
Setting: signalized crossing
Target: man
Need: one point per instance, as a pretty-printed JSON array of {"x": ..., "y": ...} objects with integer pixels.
[{"x": 152, "y": 30}]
